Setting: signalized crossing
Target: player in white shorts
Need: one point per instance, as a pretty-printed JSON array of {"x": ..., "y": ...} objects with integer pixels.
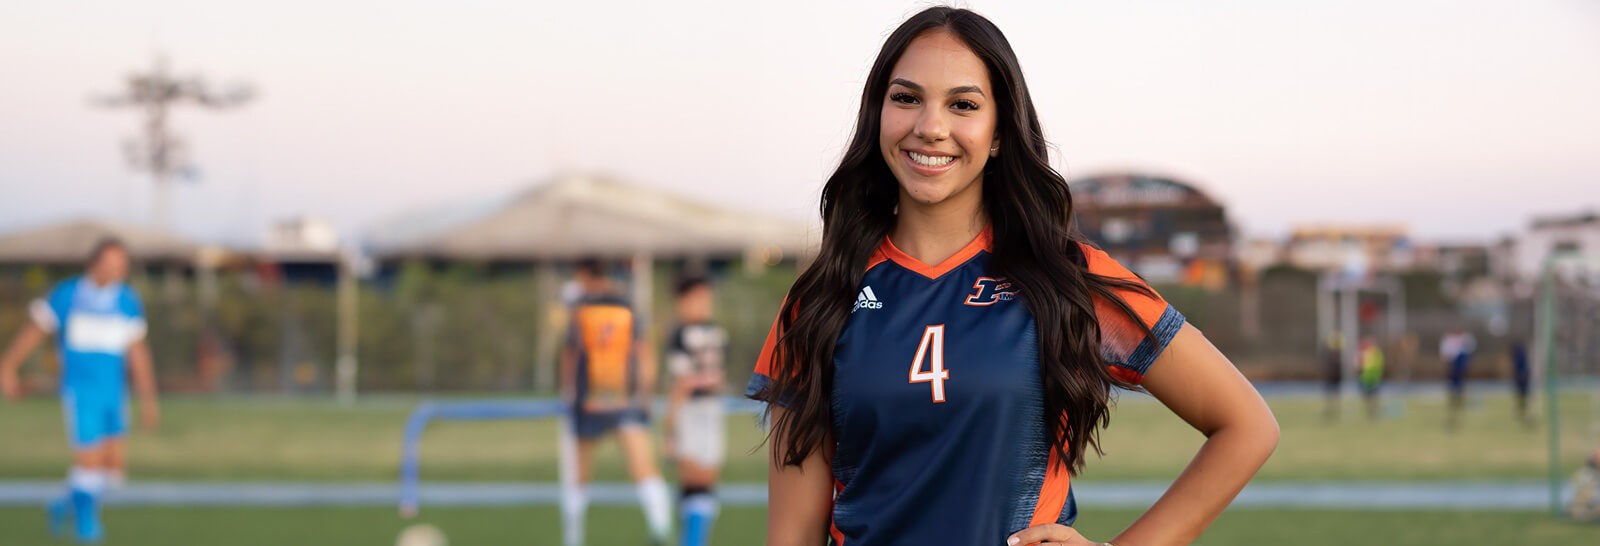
[{"x": 696, "y": 435}]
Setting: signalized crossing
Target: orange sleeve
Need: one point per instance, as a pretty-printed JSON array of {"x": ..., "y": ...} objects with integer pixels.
[
  {"x": 1124, "y": 345},
  {"x": 761, "y": 380},
  {"x": 764, "y": 362}
]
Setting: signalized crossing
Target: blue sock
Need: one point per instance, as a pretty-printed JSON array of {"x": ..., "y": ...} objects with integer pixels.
[
  {"x": 699, "y": 515},
  {"x": 86, "y": 485}
]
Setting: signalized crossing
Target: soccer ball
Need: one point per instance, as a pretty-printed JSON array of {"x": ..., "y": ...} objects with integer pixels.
[{"x": 421, "y": 534}]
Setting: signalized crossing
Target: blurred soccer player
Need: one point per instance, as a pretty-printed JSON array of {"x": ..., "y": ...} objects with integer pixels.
[
  {"x": 1585, "y": 487},
  {"x": 1456, "y": 349},
  {"x": 1520, "y": 379},
  {"x": 1371, "y": 375},
  {"x": 938, "y": 372},
  {"x": 607, "y": 375},
  {"x": 99, "y": 325},
  {"x": 695, "y": 432},
  {"x": 1332, "y": 374}
]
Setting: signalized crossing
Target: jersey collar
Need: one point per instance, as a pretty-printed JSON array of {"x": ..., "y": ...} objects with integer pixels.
[{"x": 887, "y": 251}]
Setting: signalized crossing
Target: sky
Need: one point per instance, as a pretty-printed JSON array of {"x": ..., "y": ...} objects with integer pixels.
[{"x": 1459, "y": 119}]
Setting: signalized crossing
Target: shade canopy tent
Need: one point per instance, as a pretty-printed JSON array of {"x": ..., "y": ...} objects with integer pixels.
[
  {"x": 580, "y": 216},
  {"x": 70, "y": 243}
]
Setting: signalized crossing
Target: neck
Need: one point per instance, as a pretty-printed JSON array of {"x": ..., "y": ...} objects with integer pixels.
[
  {"x": 597, "y": 288},
  {"x": 99, "y": 282},
  {"x": 933, "y": 232}
]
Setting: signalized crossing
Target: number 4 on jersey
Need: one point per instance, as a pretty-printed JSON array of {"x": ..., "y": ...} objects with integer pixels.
[{"x": 932, "y": 344}]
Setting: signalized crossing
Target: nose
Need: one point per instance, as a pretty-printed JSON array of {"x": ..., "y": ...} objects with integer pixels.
[{"x": 931, "y": 125}]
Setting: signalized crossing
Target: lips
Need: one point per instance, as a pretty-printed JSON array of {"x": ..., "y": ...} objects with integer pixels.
[{"x": 928, "y": 163}]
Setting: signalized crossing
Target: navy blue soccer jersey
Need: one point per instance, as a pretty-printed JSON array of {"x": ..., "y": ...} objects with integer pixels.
[{"x": 938, "y": 401}]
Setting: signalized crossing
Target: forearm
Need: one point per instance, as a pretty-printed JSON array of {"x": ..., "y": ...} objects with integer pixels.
[
  {"x": 680, "y": 393},
  {"x": 21, "y": 346},
  {"x": 568, "y": 373},
  {"x": 647, "y": 371},
  {"x": 144, "y": 375},
  {"x": 1222, "y": 467}
]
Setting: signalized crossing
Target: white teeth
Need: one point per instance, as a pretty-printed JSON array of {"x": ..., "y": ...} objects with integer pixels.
[{"x": 930, "y": 161}]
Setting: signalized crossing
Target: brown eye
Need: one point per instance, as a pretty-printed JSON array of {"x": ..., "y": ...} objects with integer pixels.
[
  {"x": 903, "y": 98},
  {"x": 966, "y": 105}
]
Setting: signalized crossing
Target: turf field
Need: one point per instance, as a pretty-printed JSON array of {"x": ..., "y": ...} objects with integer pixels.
[
  {"x": 255, "y": 439},
  {"x": 274, "y": 439},
  {"x": 615, "y": 525}
]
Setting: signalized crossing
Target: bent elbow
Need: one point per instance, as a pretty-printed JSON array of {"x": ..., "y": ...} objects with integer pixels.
[{"x": 1269, "y": 434}]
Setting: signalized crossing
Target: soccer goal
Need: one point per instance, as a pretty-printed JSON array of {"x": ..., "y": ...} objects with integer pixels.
[
  {"x": 1567, "y": 337},
  {"x": 427, "y": 412}
]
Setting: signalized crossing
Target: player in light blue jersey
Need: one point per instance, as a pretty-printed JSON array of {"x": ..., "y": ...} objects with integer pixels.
[{"x": 99, "y": 327}]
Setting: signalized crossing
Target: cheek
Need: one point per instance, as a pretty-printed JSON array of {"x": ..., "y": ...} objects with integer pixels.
[
  {"x": 976, "y": 138},
  {"x": 894, "y": 125}
]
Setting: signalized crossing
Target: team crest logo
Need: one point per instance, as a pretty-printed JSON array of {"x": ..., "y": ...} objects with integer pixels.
[{"x": 989, "y": 290}]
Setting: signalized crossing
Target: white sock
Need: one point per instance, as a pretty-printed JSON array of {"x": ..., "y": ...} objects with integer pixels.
[
  {"x": 87, "y": 480},
  {"x": 574, "y": 501},
  {"x": 702, "y": 503},
  {"x": 574, "y": 504},
  {"x": 657, "y": 506}
]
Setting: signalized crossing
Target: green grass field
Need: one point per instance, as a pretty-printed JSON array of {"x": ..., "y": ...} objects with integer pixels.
[
  {"x": 267, "y": 439},
  {"x": 616, "y": 525},
  {"x": 207, "y": 439}
]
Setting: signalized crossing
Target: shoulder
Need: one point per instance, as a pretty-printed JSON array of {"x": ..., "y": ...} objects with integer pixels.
[
  {"x": 602, "y": 300},
  {"x": 65, "y": 288},
  {"x": 1100, "y": 263},
  {"x": 129, "y": 298}
]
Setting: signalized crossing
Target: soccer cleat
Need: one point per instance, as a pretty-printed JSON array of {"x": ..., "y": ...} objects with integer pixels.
[
  {"x": 59, "y": 510},
  {"x": 88, "y": 518}
]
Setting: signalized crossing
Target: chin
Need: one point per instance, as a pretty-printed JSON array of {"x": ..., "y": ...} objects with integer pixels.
[{"x": 930, "y": 192}]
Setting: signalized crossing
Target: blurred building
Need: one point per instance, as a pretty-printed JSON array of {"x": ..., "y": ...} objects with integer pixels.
[
  {"x": 300, "y": 249},
  {"x": 1455, "y": 260},
  {"x": 1165, "y": 229},
  {"x": 1573, "y": 233},
  {"x": 1258, "y": 253},
  {"x": 301, "y": 235},
  {"x": 1354, "y": 249}
]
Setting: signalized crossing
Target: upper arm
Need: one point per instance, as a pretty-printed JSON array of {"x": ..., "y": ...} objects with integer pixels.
[
  {"x": 50, "y": 312},
  {"x": 799, "y": 498},
  {"x": 31, "y": 335},
  {"x": 139, "y": 353},
  {"x": 133, "y": 308},
  {"x": 1200, "y": 385}
]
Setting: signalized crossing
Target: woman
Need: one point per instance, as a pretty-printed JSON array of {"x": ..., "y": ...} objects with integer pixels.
[{"x": 951, "y": 403}]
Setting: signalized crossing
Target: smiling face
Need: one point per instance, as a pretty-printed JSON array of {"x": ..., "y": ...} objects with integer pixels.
[{"x": 938, "y": 120}]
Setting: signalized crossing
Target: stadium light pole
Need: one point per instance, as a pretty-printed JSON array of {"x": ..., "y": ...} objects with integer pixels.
[{"x": 159, "y": 152}]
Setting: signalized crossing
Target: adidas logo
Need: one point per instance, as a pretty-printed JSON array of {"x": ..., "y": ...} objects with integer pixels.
[{"x": 867, "y": 300}]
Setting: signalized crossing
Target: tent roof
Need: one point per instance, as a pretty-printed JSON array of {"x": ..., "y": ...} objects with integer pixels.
[
  {"x": 577, "y": 216},
  {"x": 71, "y": 241}
]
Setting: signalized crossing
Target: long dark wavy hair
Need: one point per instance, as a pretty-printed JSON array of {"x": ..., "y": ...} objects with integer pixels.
[{"x": 1034, "y": 246}]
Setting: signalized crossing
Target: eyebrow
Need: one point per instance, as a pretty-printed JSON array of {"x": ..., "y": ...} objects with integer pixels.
[{"x": 953, "y": 90}]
